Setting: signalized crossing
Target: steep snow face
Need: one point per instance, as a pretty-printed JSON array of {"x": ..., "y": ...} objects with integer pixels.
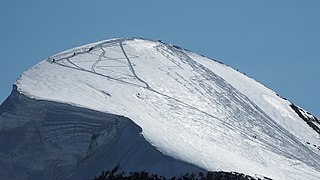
[
  {"x": 189, "y": 107},
  {"x": 49, "y": 140}
]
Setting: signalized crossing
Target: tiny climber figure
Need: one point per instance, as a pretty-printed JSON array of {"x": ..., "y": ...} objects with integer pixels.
[
  {"x": 90, "y": 49},
  {"x": 53, "y": 60}
]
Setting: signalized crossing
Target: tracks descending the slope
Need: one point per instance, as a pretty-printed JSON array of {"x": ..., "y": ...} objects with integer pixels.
[
  {"x": 131, "y": 67},
  {"x": 93, "y": 68},
  {"x": 163, "y": 94},
  {"x": 59, "y": 60},
  {"x": 62, "y": 57}
]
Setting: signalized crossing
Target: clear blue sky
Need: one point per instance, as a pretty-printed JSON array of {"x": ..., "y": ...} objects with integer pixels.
[{"x": 275, "y": 42}]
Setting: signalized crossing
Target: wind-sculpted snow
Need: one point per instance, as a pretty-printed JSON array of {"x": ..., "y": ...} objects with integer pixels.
[
  {"x": 189, "y": 108},
  {"x": 49, "y": 140}
]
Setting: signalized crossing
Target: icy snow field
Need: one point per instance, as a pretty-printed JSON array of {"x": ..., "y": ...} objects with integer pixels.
[{"x": 190, "y": 108}]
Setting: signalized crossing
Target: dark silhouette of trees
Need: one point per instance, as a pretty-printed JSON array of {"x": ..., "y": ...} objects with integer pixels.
[{"x": 218, "y": 175}]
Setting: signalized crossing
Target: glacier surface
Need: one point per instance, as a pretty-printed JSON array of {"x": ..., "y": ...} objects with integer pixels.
[{"x": 149, "y": 106}]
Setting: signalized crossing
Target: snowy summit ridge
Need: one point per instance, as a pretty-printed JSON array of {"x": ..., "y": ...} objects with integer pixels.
[{"x": 150, "y": 106}]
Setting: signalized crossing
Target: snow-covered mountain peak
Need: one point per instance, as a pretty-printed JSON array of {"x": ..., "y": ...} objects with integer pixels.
[{"x": 189, "y": 108}]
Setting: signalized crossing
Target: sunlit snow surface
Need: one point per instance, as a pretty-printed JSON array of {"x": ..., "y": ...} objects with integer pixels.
[{"x": 189, "y": 107}]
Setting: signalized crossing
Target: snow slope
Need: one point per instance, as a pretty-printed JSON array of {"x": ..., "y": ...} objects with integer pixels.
[
  {"x": 85, "y": 105},
  {"x": 50, "y": 140}
]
